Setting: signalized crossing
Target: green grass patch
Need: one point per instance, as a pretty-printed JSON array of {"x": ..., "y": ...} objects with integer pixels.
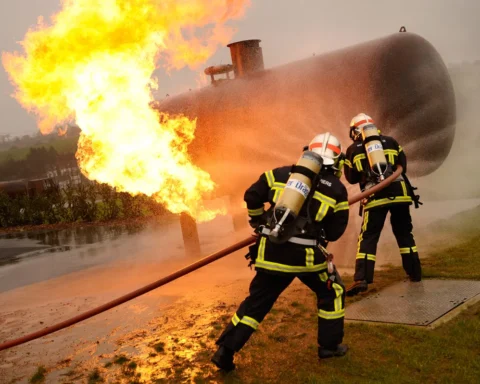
[
  {"x": 39, "y": 376},
  {"x": 286, "y": 349},
  {"x": 457, "y": 262}
]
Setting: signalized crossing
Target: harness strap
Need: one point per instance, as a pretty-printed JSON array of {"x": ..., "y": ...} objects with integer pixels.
[{"x": 294, "y": 240}]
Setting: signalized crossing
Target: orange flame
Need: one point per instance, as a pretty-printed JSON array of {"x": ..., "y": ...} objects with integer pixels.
[{"x": 94, "y": 65}]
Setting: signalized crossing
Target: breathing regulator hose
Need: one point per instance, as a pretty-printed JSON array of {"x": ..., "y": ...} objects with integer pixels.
[{"x": 165, "y": 280}]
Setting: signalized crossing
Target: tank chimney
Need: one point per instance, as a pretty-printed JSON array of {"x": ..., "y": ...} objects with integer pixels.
[{"x": 247, "y": 57}]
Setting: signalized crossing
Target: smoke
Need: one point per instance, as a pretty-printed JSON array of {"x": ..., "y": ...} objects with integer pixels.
[{"x": 457, "y": 178}]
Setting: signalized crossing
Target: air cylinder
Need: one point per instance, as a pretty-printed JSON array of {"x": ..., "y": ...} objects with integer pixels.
[
  {"x": 374, "y": 149},
  {"x": 293, "y": 196}
]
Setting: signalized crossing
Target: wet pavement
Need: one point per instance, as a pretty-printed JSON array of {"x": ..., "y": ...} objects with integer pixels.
[{"x": 32, "y": 257}]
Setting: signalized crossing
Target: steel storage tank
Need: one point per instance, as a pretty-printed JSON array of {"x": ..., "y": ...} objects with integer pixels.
[{"x": 264, "y": 117}]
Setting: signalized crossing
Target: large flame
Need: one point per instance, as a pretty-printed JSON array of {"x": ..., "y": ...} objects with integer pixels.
[{"x": 94, "y": 64}]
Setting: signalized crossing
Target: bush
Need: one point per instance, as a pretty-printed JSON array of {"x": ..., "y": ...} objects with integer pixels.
[{"x": 86, "y": 202}]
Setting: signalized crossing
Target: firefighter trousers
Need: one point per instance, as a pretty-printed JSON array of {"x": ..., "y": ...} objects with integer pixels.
[
  {"x": 372, "y": 225},
  {"x": 265, "y": 288}
]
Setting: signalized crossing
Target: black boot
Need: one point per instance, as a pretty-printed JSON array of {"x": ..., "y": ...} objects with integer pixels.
[
  {"x": 339, "y": 350},
  {"x": 223, "y": 359},
  {"x": 357, "y": 287}
]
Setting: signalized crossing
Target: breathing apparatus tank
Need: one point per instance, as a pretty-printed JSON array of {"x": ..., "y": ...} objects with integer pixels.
[
  {"x": 375, "y": 154},
  {"x": 294, "y": 195},
  {"x": 363, "y": 125}
]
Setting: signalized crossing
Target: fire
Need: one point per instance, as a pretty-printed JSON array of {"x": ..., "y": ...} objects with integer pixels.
[{"x": 94, "y": 63}]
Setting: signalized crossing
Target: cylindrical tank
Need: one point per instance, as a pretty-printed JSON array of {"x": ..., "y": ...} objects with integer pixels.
[
  {"x": 374, "y": 149},
  {"x": 261, "y": 120},
  {"x": 293, "y": 196}
]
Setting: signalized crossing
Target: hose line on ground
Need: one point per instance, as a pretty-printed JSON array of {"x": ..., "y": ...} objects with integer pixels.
[{"x": 165, "y": 280}]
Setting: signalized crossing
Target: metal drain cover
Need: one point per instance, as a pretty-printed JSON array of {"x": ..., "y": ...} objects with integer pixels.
[{"x": 413, "y": 303}]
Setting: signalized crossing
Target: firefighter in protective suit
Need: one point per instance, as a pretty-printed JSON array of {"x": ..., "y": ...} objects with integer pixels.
[
  {"x": 396, "y": 199},
  {"x": 277, "y": 265}
]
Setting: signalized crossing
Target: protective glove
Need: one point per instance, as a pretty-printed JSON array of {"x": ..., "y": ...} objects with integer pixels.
[{"x": 256, "y": 221}]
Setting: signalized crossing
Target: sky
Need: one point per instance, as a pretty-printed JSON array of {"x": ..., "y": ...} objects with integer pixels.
[{"x": 289, "y": 30}]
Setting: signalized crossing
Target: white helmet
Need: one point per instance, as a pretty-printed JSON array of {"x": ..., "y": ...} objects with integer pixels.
[
  {"x": 357, "y": 123},
  {"x": 327, "y": 146}
]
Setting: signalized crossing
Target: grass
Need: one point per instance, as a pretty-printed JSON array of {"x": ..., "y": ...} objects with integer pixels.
[
  {"x": 285, "y": 350},
  {"x": 455, "y": 262},
  {"x": 39, "y": 376}
]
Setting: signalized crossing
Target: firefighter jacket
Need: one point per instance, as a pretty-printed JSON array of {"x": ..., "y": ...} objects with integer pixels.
[
  {"x": 328, "y": 212},
  {"x": 357, "y": 170}
]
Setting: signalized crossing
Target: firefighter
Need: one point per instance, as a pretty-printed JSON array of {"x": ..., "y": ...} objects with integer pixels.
[
  {"x": 325, "y": 218},
  {"x": 396, "y": 199}
]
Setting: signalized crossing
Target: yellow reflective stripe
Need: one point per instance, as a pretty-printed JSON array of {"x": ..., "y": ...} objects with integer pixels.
[
  {"x": 359, "y": 166},
  {"x": 276, "y": 195},
  {"x": 404, "y": 188},
  {"x": 391, "y": 152},
  {"x": 341, "y": 206},
  {"x": 270, "y": 178},
  {"x": 235, "y": 319},
  {"x": 323, "y": 276},
  {"x": 261, "y": 250},
  {"x": 324, "y": 199},
  {"x": 250, "y": 321},
  {"x": 348, "y": 163},
  {"x": 364, "y": 228},
  {"x": 322, "y": 211},
  {"x": 278, "y": 188},
  {"x": 400, "y": 149},
  {"x": 331, "y": 315},
  {"x": 289, "y": 268},
  {"x": 256, "y": 212},
  {"x": 338, "y": 300},
  {"x": 369, "y": 256},
  {"x": 398, "y": 199},
  {"x": 309, "y": 258},
  {"x": 407, "y": 250},
  {"x": 359, "y": 157}
]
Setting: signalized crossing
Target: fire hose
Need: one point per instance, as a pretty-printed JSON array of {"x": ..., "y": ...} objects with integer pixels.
[{"x": 167, "y": 279}]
